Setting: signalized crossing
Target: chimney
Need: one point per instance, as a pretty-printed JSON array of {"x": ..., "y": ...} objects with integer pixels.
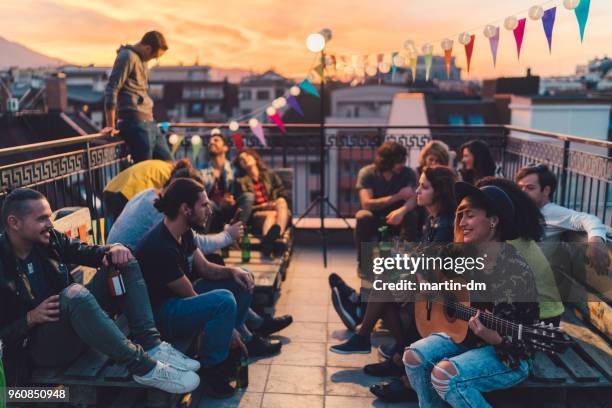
[{"x": 56, "y": 93}]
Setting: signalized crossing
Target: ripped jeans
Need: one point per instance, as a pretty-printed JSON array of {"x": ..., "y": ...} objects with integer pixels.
[{"x": 440, "y": 370}]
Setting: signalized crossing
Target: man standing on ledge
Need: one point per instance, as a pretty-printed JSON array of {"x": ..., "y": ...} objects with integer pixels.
[{"x": 128, "y": 107}]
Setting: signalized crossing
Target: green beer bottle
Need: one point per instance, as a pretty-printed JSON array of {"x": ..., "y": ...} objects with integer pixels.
[
  {"x": 384, "y": 245},
  {"x": 245, "y": 246}
]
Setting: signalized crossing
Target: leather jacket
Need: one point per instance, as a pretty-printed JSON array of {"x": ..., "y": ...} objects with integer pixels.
[{"x": 17, "y": 299}]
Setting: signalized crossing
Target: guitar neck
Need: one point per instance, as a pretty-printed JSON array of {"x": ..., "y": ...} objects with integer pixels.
[{"x": 489, "y": 320}]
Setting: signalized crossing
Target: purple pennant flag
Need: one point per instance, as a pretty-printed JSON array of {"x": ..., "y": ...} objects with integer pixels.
[
  {"x": 548, "y": 21},
  {"x": 295, "y": 105},
  {"x": 494, "y": 42}
]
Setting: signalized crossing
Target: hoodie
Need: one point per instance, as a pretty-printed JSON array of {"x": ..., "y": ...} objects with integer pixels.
[{"x": 127, "y": 86}]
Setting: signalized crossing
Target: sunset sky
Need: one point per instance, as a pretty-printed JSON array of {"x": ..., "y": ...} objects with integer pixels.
[{"x": 262, "y": 34}]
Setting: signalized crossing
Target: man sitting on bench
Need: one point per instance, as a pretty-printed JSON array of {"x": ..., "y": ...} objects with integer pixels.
[{"x": 48, "y": 319}]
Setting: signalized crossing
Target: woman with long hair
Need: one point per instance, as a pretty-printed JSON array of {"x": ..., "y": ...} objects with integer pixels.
[
  {"x": 530, "y": 228},
  {"x": 434, "y": 153},
  {"x": 477, "y": 161},
  {"x": 436, "y": 194},
  {"x": 440, "y": 370},
  {"x": 270, "y": 209}
]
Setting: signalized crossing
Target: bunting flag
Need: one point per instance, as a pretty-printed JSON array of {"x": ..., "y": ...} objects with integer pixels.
[
  {"x": 494, "y": 43},
  {"x": 582, "y": 14},
  {"x": 259, "y": 134},
  {"x": 413, "y": 67},
  {"x": 393, "y": 66},
  {"x": 519, "y": 32},
  {"x": 238, "y": 142},
  {"x": 548, "y": 21},
  {"x": 179, "y": 142},
  {"x": 469, "y": 47},
  {"x": 447, "y": 61},
  {"x": 295, "y": 105},
  {"x": 165, "y": 126},
  {"x": 278, "y": 122},
  {"x": 307, "y": 86},
  {"x": 427, "y": 65},
  {"x": 319, "y": 69}
]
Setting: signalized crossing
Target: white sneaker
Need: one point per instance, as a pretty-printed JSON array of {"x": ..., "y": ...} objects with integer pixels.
[
  {"x": 169, "y": 355},
  {"x": 169, "y": 379}
]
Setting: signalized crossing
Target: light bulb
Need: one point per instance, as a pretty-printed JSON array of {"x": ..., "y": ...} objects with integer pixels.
[
  {"x": 295, "y": 90},
  {"x": 384, "y": 67},
  {"x": 270, "y": 111},
  {"x": 398, "y": 61},
  {"x": 215, "y": 131},
  {"x": 465, "y": 38},
  {"x": 234, "y": 126},
  {"x": 446, "y": 44},
  {"x": 427, "y": 49},
  {"x": 315, "y": 42},
  {"x": 490, "y": 31},
  {"x": 173, "y": 139},
  {"x": 510, "y": 23},
  {"x": 371, "y": 70},
  {"x": 571, "y": 4},
  {"x": 196, "y": 140},
  {"x": 536, "y": 12},
  {"x": 253, "y": 122}
]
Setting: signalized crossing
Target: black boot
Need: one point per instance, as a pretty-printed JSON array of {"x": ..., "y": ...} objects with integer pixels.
[{"x": 215, "y": 380}]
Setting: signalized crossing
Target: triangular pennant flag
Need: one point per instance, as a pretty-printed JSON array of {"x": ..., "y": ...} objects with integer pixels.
[
  {"x": 447, "y": 61},
  {"x": 259, "y": 134},
  {"x": 548, "y": 21},
  {"x": 307, "y": 86},
  {"x": 278, "y": 122},
  {"x": 519, "y": 32},
  {"x": 393, "y": 66},
  {"x": 319, "y": 69},
  {"x": 494, "y": 43},
  {"x": 293, "y": 102},
  {"x": 164, "y": 126},
  {"x": 179, "y": 142},
  {"x": 427, "y": 65},
  {"x": 238, "y": 142},
  {"x": 413, "y": 66},
  {"x": 469, "y": 47},
  {"x": 582, "y": 14}
]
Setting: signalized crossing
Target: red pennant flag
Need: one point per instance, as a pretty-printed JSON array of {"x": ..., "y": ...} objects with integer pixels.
[
  {"x": 278, "y": 121},
  {"x": 469, "y": 47},
  {"x": 447, "y": 61},
  {"x": 519, "y": 32},
  {"x": 238, "y": 142}
]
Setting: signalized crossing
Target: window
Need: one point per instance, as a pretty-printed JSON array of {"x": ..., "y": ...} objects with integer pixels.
[
  {"x": 314, "y": 168},
  {"x": 213, "y": 108},
  {"x": 279, "y": 92},
  {"x": 455, "y": 119},
  {"x": 263, "y": 95},
  {"x": 246, "y": 94},
  {"x": 476, "y": 120},
  {"x": 195, "y": 109},
  {"x": 356, "y": 111},
  {"x": 200, "y": 92}
]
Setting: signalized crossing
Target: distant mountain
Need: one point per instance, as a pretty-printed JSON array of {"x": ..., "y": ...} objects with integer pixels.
[
  {"x": 233, "y": 75},
  {"x": 13, "y": 54}
]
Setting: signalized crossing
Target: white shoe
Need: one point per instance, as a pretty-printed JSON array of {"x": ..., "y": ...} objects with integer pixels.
[
  {"x": 171, "y": 356},
  {"x": 169, "y": 379}
]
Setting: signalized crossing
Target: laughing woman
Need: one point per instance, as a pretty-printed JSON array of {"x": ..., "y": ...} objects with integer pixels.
[{"x": 441, "y": 370}]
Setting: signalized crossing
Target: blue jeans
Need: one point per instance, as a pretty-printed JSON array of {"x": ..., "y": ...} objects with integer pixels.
[
  {"x": 478, "y": 370},
  {"x": 242, "y": 296},
  {"x": 213, "y": 313},
  {"x": 145, "y": 140}
]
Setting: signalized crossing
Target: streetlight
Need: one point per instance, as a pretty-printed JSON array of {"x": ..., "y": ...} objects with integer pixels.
[{"x": 316, "y": 43}]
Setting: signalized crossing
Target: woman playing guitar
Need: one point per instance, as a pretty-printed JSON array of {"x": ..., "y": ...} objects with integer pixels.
[{"x": 441, "y": 370}]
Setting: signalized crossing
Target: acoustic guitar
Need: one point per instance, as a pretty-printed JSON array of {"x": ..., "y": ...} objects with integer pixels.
[{"x": 449, "y": 313}]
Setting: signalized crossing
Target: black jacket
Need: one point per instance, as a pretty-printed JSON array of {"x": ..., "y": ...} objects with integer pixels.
[{"x": 16, "y": 297}]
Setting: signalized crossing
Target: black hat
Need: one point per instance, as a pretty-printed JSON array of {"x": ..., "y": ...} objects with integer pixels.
[{"x": 496, "y": 200}]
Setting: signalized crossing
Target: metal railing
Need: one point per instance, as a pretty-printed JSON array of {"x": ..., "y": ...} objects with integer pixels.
[{"x": 77, "y": 177}]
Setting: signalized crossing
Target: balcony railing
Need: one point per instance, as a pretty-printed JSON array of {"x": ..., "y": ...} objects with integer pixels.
[{"x": 77, "y": 175}]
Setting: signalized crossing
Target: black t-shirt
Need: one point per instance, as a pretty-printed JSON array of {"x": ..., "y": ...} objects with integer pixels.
[
  {"x": 39, "y": 284},
  {"x": 372, "y": 179},
  {"x": 163, "y": 260}
]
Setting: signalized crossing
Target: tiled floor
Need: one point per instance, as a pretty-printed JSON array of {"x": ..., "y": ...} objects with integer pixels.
[{"x": 306, "y": 374}]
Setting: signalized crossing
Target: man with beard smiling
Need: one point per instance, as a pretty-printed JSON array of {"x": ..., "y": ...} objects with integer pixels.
[
  {"x": 181, "y": 307},
  {"x": 48, "y": 320},
  {"x": 220, "y": 183}
]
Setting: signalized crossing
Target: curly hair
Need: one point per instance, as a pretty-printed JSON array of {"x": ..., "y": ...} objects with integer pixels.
[
  {"x": 388, "y": 155},
  {"x": 437, "y": 149}
]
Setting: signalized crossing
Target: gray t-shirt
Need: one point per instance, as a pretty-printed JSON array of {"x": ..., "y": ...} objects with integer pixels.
[
  {"x": 140, "y": 215},
  {"x": 372, "y": 179}
]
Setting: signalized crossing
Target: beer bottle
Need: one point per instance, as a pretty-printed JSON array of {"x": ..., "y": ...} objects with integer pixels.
[
  {"x": 115, "y": 281},
  {"x": 245, "y": 246},
  {"x": 384, "y": 246},
  {"x": 242, "y": 371}
]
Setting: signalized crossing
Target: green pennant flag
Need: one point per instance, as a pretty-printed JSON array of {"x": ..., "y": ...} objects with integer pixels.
[
  {"x": 307, "y": 86},
  {"x": 320, "y": 69},
  {"x": 582, "y": 14}
]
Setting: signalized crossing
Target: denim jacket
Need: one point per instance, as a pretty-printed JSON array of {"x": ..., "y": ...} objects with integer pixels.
[{"x": 227, "y": 176}]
